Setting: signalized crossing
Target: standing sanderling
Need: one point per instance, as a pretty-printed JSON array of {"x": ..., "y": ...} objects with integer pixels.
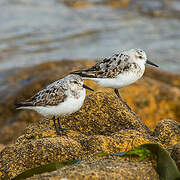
[
  {"x": 62, "y": 97},
  {"x": 119, "y": 70}
]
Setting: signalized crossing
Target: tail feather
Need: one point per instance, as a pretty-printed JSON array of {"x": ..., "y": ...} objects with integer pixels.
[{"x": 22, "y": 104}]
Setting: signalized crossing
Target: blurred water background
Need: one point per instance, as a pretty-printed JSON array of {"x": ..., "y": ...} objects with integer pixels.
[{"x": 36, "y": 31}]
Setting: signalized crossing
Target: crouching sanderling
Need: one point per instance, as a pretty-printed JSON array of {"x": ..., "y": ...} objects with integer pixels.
[{"x": 60, "y": 98}]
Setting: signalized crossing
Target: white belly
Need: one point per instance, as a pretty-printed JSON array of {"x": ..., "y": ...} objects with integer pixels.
[
  {"x": 121, "y": 80},
  {"x": 69, "y": 106}
]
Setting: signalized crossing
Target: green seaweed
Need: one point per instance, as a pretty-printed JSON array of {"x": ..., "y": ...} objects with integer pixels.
[
  {"x": 44, "y": 168},
  {"x": 143, "y": 153},
  {"x": 101, "y": 154}
]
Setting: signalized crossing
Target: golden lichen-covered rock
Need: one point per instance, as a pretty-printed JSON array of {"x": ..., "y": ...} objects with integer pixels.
[
  {"x": 103, "y": 113},
  {"x": 103, "y": 124},
  {"x": 168, "y": 132}
]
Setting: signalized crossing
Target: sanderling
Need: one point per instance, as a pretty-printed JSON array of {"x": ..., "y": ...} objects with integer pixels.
[
  {"x": 119, "y": 70},
  {"x": 60, "y": 98}
]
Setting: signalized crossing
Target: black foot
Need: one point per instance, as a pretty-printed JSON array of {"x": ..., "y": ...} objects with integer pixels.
[{"x": 118, "y": 95}]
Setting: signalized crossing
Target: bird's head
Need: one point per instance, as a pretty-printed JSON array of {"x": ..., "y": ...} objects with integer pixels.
[
  {"x": 76, "y": 82},
  {"x": 140, "y": 57}
]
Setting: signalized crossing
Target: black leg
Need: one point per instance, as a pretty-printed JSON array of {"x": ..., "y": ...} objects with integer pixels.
[
  {"x": 57, "y": 130},
  {"x": 118, "y": 95},
  {"x": 60, "y": 127}
]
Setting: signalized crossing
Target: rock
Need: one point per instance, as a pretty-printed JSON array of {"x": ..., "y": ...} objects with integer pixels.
[
  {"x": 168, "y": 132},
  {"x": 103, "y": 124},
  {"x": 104, "y": 113},
  {"x": 71, "y": 146},
  {"x": 37, "y": 153},
  {"x": 105, "y": 168}
]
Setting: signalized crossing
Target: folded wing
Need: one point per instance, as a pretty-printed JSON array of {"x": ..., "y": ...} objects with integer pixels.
[{"x": 50, "y": 96}]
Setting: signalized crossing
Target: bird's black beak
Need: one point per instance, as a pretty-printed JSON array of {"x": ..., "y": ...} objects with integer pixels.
[
  {"x": 84, "y": 86},
  {"x": 151, "y": 63}
]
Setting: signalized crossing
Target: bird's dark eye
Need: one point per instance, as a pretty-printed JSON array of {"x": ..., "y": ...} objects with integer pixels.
[
  {"x": 140, "y": 57},
  {"x": 75, "y": 82}
]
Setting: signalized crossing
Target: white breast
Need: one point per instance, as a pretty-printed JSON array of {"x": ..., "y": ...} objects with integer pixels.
[
  {"x": 123, "y": 79},
  {"x": 69, "y": 106}
]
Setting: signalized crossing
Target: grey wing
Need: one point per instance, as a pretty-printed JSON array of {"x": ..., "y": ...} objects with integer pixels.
[
  {"x": 50, "y": 96},
  {"x": 107, "y": 68},
  {"x": 90, "y": 72}
]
